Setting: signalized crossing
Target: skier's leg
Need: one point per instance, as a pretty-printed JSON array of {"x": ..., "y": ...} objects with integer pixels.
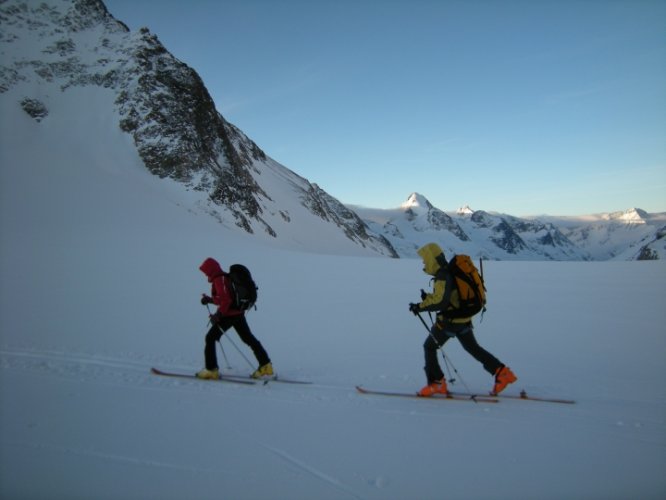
[
  {"x": 490, "y": 363},
  {"x": 210, "y": 354},
  {"x": 245, "y": 334},
  {"x": 433, "y": 342}
]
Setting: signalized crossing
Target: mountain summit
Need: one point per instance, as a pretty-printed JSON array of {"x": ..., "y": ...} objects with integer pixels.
[
  {"x": 631, "y": 216},
  {"x": 465, "y": 210},
  {"x": 416, "y": 202}
]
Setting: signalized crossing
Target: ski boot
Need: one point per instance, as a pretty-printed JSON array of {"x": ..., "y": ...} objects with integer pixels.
[
  {"x": 208, "y": 374},
  {"x": 265, "y": 371},
  {"x": 503, "y": 377},
  {"x": 437, "y": 387}
]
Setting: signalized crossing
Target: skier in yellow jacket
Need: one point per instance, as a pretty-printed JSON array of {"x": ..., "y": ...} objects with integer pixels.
[{"x": 442, "y": 300}]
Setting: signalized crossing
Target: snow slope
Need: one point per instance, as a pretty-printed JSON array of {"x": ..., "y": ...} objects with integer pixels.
[{"x": 99, "y": 264}]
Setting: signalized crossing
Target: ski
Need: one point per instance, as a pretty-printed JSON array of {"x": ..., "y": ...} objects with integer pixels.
[
  {"x": 449, "y": 397},
  {"x": 290, "y": 381},
  {"x": 523, "y": 395},
  {"x": 223, "y": 378},
  {"x": 240, "y": 379},
  {"x": 528, "y": 397},
  {"x": 266, "y": 380}
]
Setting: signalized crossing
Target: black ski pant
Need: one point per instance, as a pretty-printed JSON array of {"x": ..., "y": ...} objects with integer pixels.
[
  {"x": 239, "y": 323},
  {"x": 440, "y": 333}
]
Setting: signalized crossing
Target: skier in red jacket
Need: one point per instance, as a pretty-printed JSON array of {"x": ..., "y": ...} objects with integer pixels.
[{"x": 224, "y": 318}]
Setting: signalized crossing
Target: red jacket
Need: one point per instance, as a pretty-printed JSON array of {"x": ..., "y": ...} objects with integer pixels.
[{"x": 220, "y": 293}]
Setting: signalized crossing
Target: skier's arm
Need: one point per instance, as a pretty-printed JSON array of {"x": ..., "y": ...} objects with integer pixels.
[
  {"x": 221, "y": 297},
  {"x": 434, "y": 301}
]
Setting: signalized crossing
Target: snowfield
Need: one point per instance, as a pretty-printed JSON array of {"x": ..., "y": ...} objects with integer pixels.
[
  {"x": 82, "y": 417},
  {"x": 100, "y": 282}
]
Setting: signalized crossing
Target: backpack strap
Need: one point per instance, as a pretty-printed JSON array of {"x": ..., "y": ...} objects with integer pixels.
[{"x": 450, "y": 284}]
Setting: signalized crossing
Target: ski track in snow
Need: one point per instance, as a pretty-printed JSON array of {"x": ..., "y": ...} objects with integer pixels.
[
  {"x": 73, "y": 364},
  {"x": 86, "y": 367},
  {"x": 92, "y": 367},
  {"x": 68, "y": 357},
  {"x": 310, "y": 470},
  {"x": 89, "y": 453}
]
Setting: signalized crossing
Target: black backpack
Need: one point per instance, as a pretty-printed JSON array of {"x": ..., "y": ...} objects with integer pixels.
[{"x": 243, "y": 287}]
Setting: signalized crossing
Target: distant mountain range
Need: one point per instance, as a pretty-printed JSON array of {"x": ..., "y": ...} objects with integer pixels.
[
  {"x": 630, "y": 235},
  {"x": 55, "y": 52}
]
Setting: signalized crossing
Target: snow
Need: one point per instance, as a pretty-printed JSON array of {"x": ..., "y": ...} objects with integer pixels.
[
  {"x": 100, "y": 281},
  {"x": 464, "y": 210},
  {"x": 417, "y": 203}
]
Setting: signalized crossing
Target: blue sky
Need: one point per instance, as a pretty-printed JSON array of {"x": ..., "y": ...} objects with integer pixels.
[{"x": 524, "y": 107}]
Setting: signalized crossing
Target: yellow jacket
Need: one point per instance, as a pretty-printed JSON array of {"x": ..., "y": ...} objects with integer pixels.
[{"x": 435, "y": 265}]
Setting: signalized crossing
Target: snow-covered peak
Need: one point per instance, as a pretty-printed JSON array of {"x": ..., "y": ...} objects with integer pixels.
[
  {"x": 466, "y": 210},
  {"x": 417, "y": 203},
  {"x": 631, "y": 216}
]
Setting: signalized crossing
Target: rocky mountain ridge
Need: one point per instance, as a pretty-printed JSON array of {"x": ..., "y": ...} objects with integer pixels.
[{"x": 59, "y": 46}]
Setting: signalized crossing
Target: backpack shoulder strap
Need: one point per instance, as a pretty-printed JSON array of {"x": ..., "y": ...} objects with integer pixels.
[{"x": 450, "y": 284}]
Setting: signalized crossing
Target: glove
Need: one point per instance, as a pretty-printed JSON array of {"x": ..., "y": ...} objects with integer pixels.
[
  {"x": 205, "y": 299},
  {"x": 423, "y": 294},
  {"x": 414, "y": 308}
]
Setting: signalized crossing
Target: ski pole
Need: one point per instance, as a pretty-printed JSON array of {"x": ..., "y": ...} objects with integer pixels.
[
  {"x": 425, "y": 325},
  {"x": 224, "y": 355},
  {"x": 446, "y": 360},
  {"x": 439, "y": 347},
  {"x": 240, "y": 352},
  {"x": 447, "y": 365},
  {"x": 209, "y": 314},
  {"x": 423, "y": 296},
  {"x": 232, "y": 343}
]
